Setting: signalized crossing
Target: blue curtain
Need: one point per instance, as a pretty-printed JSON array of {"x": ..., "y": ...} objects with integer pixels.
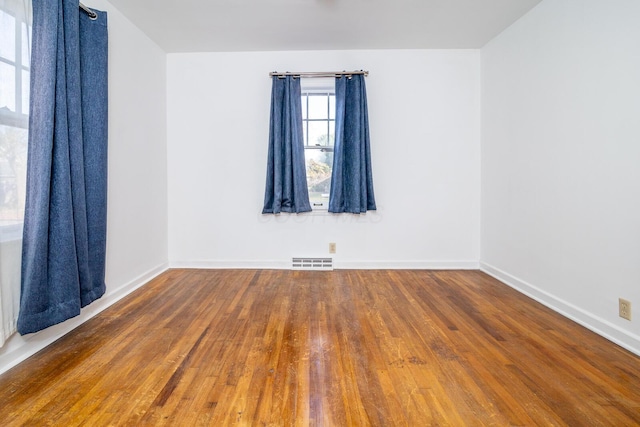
[
  {"x": 351, "y": 179},
  {"x": 64, "y": 240},
  {"x": 286, "y": 188}
]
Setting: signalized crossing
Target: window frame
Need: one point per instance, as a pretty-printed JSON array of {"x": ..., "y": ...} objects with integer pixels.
[{"x": 318, "y": 87}]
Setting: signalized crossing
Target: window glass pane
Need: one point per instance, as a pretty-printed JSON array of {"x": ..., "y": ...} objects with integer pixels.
[
  {"x": 7, "y": 36},
  {"x": 7, "y": 87},
  {"x": 13, "y": 173},
  {"x": 304, "y": 132},
  {"x": 319, "y": 164},
  {"x": 332, "y": 132},
  {"x": 332, "y": 107},
  {"x": 318, "y": 107},
  {"x": 318, "y": 134},
  {"x": 26, "y": 75},
  {"x": 304, "y": 107},
  {"x": 26, "y": 45}
]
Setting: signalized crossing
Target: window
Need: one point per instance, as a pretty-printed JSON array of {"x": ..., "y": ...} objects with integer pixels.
[
  {"x": 318, "y": 124},
  {"x": 14, "y": 109},
  {"x": 15, "y": 36}
]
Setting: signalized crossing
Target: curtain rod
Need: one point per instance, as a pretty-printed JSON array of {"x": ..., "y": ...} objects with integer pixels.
[
  {"x": 318, "y": 73},
  {"x": 89, "y": 12}
]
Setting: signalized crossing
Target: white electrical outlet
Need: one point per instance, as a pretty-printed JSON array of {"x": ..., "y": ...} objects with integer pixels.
[
  {"x": 332, "y": 248},
  {"x": 624, "y": 308}
]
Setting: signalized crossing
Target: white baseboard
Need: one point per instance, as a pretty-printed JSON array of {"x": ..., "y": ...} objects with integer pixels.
[
  {"x": 19, "y": 348},
  {"x": 590, "y": 321},
  {"x": 337, "y": 264},
  {"x": 408, "y": 265},
  {"x": 233, "y": 264}
]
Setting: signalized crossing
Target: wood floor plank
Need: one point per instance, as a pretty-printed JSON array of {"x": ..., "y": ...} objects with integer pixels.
[{"x": 341, "y": 348}]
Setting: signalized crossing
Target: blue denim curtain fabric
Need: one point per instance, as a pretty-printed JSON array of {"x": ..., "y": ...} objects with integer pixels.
[
  {"x": 64, "y": 239},
  {"x": 351, "y": 179},
  {"x": 286, "y": 188}
]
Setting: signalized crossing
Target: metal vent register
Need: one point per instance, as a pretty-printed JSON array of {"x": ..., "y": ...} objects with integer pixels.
[{"x": 312, "y": 264}]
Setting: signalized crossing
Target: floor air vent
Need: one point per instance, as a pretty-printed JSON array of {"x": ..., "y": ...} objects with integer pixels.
[{"x": 312, "y": 264}]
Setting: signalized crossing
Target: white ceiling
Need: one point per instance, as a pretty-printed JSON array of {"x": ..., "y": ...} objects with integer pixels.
[{"x": 266, "y": 25}]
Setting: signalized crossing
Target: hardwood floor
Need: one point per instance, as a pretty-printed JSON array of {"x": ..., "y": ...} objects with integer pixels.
[{"x": 341, "y": 348}]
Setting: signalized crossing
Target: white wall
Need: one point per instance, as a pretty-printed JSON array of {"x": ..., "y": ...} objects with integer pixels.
[
  {"x": 424, "y": 121},
  {"x": 561, "y": 160},
  {"x": 137, "y": 218},
  {"x": 137, "y": 195}
]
